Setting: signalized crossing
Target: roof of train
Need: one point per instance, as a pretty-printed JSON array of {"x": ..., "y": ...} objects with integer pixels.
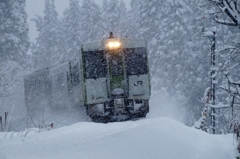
[
  {"x": 92, "y": 46},
  {"x": 125, "y": 43},
  {"x": 45, "y": 71}
]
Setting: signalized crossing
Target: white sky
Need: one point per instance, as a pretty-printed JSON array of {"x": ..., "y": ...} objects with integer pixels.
[{"x": 36, "y": 7}]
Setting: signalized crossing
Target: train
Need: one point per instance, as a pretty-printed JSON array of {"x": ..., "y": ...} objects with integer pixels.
[{"x": 110, "y": 78}]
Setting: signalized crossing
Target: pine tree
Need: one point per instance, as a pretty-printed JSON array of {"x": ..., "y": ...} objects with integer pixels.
[
  {"x": 112, "y": 17},
  {"x": 92, "y": 26},
  {"x": 72, "y": 28},
  {"x": 14, "y": 40},
  {"x": 133, "y": 20},
  {"x": 149, "y": 18},
  {"x": 123, "y": 20},
  {"x": 149, "y": 26},
  {"x": 198, "y": 63},
  {"x": 14, "y": 44},
  {"x": 174, "y": 43},
  {"x": 45, "y": 48},
  {"x": 60, "y": 54},
  {"x": 178, "y": 52}
]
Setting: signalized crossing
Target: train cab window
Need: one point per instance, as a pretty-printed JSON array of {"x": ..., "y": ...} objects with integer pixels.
[
  {"x": 95, "y": 64},
  {"x": 136, "y": 61},
  {"x": 116, "y": 65}
]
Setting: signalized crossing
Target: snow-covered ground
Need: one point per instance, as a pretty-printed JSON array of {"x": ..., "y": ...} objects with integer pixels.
[{"x": 150, "y": 138}]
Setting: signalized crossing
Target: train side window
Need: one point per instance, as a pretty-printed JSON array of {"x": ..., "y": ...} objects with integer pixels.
[
  {"x": 37, "y": 83},
  {"x": 136, "y": 61},
  {"x": 60, "y": 78},
  {"x": 75, "y": 74}
]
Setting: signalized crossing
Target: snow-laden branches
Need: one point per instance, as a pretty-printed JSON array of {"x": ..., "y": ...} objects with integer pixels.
[
  {"x": 233, "y": 89},
  {"x": 201, "y": 123},
  {"x": 231, "y": 8}
]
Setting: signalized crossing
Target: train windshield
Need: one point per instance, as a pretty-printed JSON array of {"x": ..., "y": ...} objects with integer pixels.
[
  {"x": 95, "y": 64},
  {"x": 136, "y": 61},
  {"x": 116, "y": 65}
]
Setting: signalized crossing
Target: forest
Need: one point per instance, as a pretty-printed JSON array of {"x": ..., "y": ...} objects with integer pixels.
[{"x": 179, "y": 53}]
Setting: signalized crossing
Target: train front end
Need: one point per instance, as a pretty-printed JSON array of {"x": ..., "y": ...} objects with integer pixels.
[{"x": 117, "y": 80}]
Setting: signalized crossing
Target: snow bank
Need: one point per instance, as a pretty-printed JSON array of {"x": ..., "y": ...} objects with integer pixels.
[{"x": 150, "y": 138}]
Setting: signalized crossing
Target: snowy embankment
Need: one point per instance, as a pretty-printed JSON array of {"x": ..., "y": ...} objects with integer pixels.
[
  {"x": 146, "y": 138},
  {"x": 154, "y": 137}
]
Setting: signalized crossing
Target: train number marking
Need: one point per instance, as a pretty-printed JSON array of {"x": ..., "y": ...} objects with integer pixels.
[{"x": 138, "y": 83}]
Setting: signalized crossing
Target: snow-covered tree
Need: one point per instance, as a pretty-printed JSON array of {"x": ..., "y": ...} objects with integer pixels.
[
  {"x": 60, "y": 53},
  {"x": 169, "y": 50},
  {"x": 133, "y": 20},
  {"x": 45, "y": 47},
  {"x": 14, "y": 45},
  {"x": 113, "y": 15},
  {"x": 197, "y": 64},
  {"x": 72, "y": 30},
  {"x": 231, "y": 8},
  {"x": 179, "y": 53},
  {"x": 91, "y": 20},
  {"x": 224, "y": 35},
  {"x": 14, "y": 40},
  {"x": 179, "y": 56},
  {"x": 123, "y": 20},
  {"x": 150, "y": 13}
]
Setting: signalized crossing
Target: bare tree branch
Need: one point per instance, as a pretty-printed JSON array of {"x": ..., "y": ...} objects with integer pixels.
[
  {"x": 231, "y": 9},
  {"x": 224, "y": 22}
]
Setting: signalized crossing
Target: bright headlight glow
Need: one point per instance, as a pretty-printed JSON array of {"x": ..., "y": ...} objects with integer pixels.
[
  {"x": 111, "y": 44},
  {"x": 117, "y": 44},
  {"x": 114, "y": 44}
]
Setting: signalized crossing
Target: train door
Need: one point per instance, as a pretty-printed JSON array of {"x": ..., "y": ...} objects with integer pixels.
[{"x": 116, "y": 73}]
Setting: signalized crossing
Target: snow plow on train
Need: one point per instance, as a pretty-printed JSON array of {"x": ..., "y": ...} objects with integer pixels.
[{"x": 109, "y": 77}]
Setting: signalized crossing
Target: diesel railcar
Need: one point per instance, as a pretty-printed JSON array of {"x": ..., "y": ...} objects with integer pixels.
[{"x": 109, "y": 77}]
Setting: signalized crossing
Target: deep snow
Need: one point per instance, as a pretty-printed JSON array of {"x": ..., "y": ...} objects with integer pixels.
[{"x": 153, "y": 137}]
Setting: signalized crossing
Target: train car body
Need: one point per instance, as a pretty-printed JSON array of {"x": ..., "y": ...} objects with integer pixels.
[
  {"x": 54, "y": 94},
  {"x": 109, "y": 77},
  {"x": 117, "y": 82}
]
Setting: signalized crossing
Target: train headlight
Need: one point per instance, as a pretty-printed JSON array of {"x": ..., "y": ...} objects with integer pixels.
[
  {"x": 117, "y": 44},
  {"x": 113, "y": 45}
]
